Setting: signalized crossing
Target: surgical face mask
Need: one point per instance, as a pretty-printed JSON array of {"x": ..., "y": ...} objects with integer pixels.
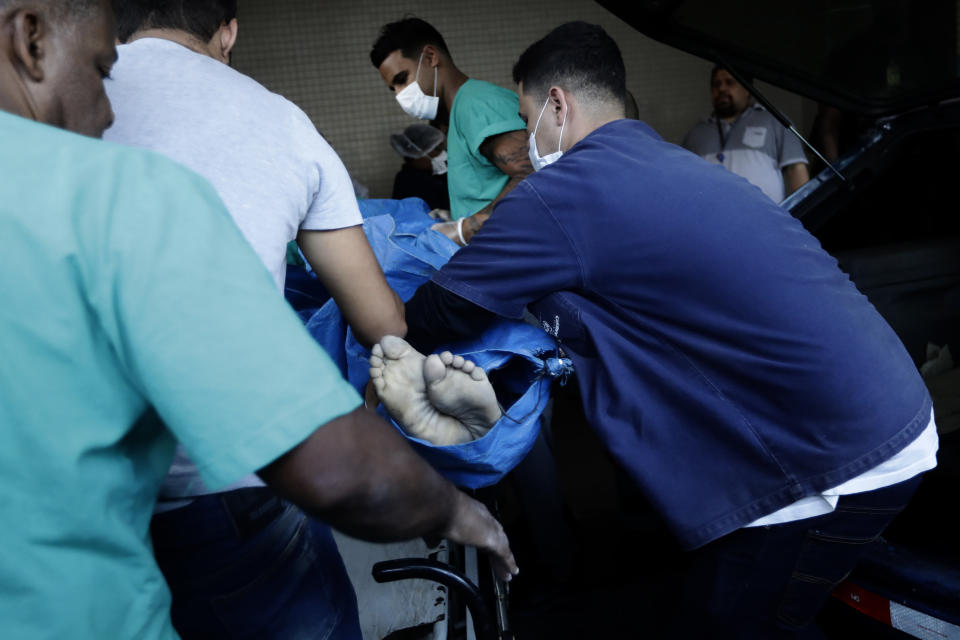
[
  {"x": 439, "y": 163},
  {"x": 536, "y": 160},
  {"x": 415, "y": 102}
]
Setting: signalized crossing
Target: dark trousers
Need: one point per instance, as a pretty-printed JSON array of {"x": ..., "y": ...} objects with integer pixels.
[
  {"x": 770, "y": 582},
  {"x": 245, "y": 565}
]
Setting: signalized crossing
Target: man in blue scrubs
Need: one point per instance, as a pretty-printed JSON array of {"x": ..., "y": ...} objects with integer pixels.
[
  {"x": 134, "y": 314},
  {"x": 757, "y": 399}
]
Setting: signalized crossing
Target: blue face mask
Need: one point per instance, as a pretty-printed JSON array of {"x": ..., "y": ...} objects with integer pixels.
[{"x": 536, "y": 160}]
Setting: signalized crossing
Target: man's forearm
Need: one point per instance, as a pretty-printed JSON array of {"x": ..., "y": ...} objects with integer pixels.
[
  {"x": 360, "y": 475},
  {"x": 346, "y": 265},
  {"x": 796, "y": 175},
  {"x": 435, "y": 317},
  {"x": 473, "y": 224}
]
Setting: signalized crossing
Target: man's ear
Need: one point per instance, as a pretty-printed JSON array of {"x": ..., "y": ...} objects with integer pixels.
[
  {"x": 431, "y": 55},
  {"x": 227, "y": 37},
  {"x": 28, "y": 42},
  {"x": 558, "y": 104}
]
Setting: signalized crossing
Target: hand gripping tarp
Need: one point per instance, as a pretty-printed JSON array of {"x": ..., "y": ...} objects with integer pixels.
[{"x": 520, "y": 359}]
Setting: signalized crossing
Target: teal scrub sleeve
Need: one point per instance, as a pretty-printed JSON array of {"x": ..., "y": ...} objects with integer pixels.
[{"x": 198, "y": 322}]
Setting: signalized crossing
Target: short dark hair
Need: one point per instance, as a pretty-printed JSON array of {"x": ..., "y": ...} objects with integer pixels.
[
  {"x": 410, "y": 36},
  {"x": 722, "y": 67},
  {"x": 199, "y": 18},
  {"x": 576, "y": 56}
]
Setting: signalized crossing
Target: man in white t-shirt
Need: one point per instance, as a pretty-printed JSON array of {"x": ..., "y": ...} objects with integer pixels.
[{"x": 173, "y": 92}]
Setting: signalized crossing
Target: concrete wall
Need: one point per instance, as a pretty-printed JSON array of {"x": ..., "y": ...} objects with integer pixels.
[{"x": 317, "y": 54}]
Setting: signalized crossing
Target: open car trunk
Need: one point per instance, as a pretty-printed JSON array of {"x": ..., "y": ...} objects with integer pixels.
[
  {"x": 895, "y": 230},
  {"x": 871, "y": 57}
]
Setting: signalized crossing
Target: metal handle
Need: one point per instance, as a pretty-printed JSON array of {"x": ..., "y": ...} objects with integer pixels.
[{"x": 425, "y": 568}]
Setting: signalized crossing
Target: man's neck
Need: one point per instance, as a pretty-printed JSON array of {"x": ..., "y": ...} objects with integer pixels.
[
  {"x": 12, "y": 105},
  {"x": 451, "y": 80},
  {"x": 586, "y": 122},
  {"x": 182, "y": 38},
  {"x": 734, "y": 117},
  {"x": 13, "y": 97}
]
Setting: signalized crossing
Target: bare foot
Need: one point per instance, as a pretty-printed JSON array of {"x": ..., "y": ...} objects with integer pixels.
[
  {"x": 396, "y": 371},
  {"x": 460, "y": 388}
]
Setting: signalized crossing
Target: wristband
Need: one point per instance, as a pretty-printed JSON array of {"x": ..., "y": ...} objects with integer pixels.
[{"x": 463, "y": 241}]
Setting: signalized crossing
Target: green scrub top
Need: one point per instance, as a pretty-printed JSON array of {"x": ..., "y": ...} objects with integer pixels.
[
  {"x": 480, "y": 110},
  {"x": 129, "y": 298}
]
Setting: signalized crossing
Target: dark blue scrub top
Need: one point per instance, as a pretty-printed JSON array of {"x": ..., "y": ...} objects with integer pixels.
[{"x": 722, "y": 355}]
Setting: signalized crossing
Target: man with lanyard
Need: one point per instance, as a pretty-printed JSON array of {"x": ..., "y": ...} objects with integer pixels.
[
  {"x": 134, "y": 315},
  {"x": 486, "y": 145},
  {"x": 758, "y": 400},
  {"x": 747, "y": 140}
]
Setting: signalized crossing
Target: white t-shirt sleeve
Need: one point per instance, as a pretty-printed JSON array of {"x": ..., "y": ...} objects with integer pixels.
[{"x": 334, "y": 203}]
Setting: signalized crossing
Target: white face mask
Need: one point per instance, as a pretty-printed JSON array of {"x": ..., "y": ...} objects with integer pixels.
[
  {"x": 536, "y": 160},
  {"x": 415, "y": 102},
  {"x": 439, "y": 163}
]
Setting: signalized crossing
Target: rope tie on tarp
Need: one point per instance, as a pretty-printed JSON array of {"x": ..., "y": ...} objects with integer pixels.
[{"x": 554, "y": 365}]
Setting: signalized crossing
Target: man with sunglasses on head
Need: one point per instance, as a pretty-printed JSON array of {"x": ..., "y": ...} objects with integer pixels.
[{"x": 486, "y": 143}]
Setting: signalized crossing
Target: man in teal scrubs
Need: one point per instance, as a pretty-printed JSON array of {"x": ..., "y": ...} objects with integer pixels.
[
  {"x": 131, "y": 301},
  {"x": 486, "y": 139}
]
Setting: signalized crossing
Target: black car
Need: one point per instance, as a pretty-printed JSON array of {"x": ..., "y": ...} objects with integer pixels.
[{"x": 890, "y": 68}]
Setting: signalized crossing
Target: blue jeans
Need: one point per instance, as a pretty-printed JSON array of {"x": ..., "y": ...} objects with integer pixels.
[
  {"x": 763, "y": 583},
  {"x": 244, "y": 564}
]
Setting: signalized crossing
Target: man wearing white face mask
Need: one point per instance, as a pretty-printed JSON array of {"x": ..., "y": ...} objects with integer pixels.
[
  {"x": 424, "y": 171},
  {"x": 486, "y": 145},
  {"x": 758, "y": 401}
]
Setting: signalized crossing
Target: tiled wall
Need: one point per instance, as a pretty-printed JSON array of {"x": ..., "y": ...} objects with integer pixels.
[{"x": 316, "y": 52}]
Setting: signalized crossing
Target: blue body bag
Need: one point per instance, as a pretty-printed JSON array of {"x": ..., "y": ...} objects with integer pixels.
[{"x": 519, "y": 358}]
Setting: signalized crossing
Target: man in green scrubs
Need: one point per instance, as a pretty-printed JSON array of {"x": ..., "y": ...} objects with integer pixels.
[
  {"x": 129, "y": 301},
  {"x": 486, "y": 139}
]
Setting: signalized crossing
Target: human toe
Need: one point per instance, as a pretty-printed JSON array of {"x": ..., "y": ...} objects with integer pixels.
[
  {"x": 434, "y": 369},
  {"x": 394, "y": 347}
]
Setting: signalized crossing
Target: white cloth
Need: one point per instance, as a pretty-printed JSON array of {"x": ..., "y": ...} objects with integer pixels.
[
  {"x": 917, "y": 457},
  {"x": 270, "y": 165},
  {"x": 267, "y": 161}
]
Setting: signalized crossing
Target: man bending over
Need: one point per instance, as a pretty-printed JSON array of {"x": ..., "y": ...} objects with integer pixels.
[{"x": 757, "y": 399}]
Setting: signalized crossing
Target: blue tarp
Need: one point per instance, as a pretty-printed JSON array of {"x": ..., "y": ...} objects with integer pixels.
[{"x": 518, "y": 357}]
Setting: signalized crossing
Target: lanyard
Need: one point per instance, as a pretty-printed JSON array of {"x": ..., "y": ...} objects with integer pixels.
[{"x": 723, "y": 138}]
